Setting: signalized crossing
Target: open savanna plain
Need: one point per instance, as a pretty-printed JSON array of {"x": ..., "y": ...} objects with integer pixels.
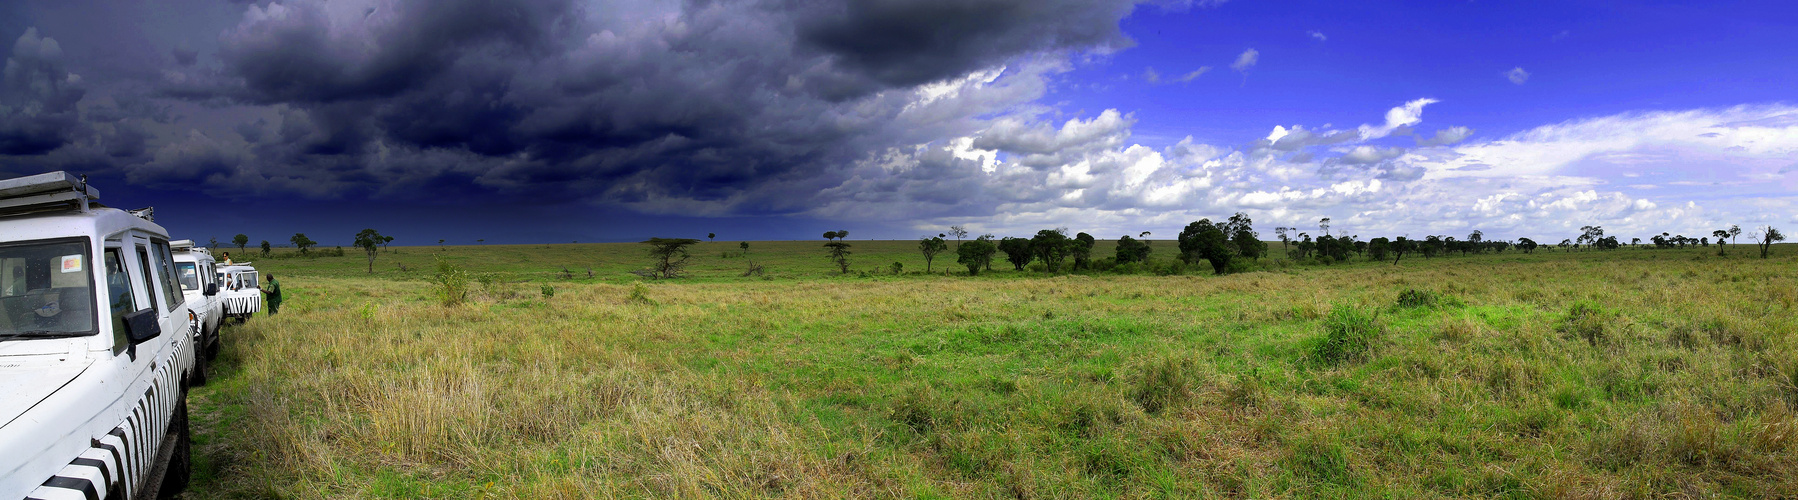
[{"x": 1620, "y": 374}]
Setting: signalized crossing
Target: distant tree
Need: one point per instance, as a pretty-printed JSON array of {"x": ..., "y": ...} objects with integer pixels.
[
  {"x": 744, "y": 246},
  {"x": 265, "y": 248},
  {"x": 711, "y": 236},
  {"x": 1400, "y": 247},
  {"x": 212, "y": 242},
  {"x": 1243, "y": 238},
  {"x": 1767, "y": 237},
  {"x": 1377, "y": 248},
  {"x": 1635, "y": 241},
  {"x": 1051, "y": 247},
  {"x": 839, "y": 250},
  {"x": 1017, "y": 251},
  {"x": 1527, "y": 245},
  {"x": 830, "y": 235},
  {"x": 1734, "y": 231},
  {"x": 670, "y": 256},
  {"x": 842, "y": 234},
  {"x": 1203, "y": 240},
  {"x": 440, "y": 242},
  {"x": 385, "y": 240},
  {"x": 1325, "y": 224},
  {"x": 1704, "y": 241},
  {"x": 369, "y": 241},
  {"x": 300, "y": 241},
  {"x": 930, "y": 247},
  {"x": 1590, "y": 235},
  {"x": 1433, "y": 245},
  {"x": 240, "y": 240},
  {"x": 1476, "y": 236},
  {"x": 960, "y": 232},
  {"x": 976, "y": 254},
  {"x": 1083, "y": 250},
  {"x": 1284, "y": 240},
  {"x": 1131, "y": 250}
]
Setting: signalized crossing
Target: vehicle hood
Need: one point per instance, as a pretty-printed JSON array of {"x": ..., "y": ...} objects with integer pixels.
[{"x": 23, "y": 387}]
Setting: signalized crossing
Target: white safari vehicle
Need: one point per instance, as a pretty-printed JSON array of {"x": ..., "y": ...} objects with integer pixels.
[
  {"x": 96, "y": 347},
  {"x": 196, "y": 271},
  {"x": 239, "y": 291}
]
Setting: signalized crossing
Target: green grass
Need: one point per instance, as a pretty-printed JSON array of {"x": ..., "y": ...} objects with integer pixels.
[{"x": 1604, "y": 374}]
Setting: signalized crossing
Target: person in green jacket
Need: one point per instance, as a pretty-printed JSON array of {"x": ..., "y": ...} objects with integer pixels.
[{"x": 273, "y": 290}]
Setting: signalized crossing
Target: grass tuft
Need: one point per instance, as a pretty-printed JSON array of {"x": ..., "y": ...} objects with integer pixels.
[{"x": 1349, "y": 335}]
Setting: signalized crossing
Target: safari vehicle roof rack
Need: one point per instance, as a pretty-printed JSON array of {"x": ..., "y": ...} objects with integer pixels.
[
  {"x": 148, "y": 214},
  {"x": 57, "y": 190},
  {"x": 188, "y": 246}
]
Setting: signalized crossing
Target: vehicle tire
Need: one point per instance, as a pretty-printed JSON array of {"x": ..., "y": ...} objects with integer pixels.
[
  {"x": 215, "y": 343},
  {"x": 198, "y": 377},
  {"x": 180, "y": 467}
]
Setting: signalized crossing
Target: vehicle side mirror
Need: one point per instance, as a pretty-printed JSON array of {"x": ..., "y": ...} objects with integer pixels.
[
  {"x": 212, "y": 289},
  {"x": 142, "y": 326}
]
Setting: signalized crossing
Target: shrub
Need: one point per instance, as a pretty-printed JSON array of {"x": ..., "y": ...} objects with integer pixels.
[
  {"x": 639, "y": 294},
  {"x": 1349, "y": 334},
  {"x": 549, "y": 291},
  {"x": 897, "y": 268},
  {"x": 450, "y": 283}
]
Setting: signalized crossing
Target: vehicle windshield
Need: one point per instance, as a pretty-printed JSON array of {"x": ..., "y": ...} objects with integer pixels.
[
  {"x": 46, "y": 289},
  {"x": 189, "y": 274}
]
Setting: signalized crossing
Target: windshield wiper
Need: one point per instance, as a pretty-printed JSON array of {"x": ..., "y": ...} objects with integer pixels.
[{"x": 41, "y": 334}]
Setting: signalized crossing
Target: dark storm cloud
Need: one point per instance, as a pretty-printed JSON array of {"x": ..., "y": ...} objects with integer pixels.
[
  {"x": 37, "y": 97},
  {"x": 908, "y": 42},
  {"x": 616, "y": 101}
]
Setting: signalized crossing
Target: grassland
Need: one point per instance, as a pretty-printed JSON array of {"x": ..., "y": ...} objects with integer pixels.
[{"x": 1631, "y": 373}]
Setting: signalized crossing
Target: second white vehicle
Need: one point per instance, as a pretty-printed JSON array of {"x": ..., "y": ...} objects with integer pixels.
[{"x": 197, "y": 272}]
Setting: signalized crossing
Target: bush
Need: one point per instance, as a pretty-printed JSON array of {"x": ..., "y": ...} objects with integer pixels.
[
  {"x": 549, "y": 291},
  {"x": 639, "y": 294},
  {"x": 450, "y": 283},
  {"x": 1349, "y": 335}
]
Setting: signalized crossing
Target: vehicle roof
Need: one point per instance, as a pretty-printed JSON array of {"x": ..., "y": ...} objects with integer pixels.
[{"x": 99, "y": 222}]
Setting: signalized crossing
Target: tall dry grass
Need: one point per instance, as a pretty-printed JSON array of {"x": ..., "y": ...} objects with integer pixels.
[{"x": 1555, "y": 376}]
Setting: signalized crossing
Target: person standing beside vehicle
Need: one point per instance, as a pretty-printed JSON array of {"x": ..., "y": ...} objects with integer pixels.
[{"x": 273, "y": 291}]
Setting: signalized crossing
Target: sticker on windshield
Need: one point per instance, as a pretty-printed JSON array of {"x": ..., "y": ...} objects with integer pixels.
[{"x": 71, "y": 263}]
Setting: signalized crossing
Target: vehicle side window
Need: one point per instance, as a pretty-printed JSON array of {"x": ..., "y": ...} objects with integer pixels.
[
  {"x": 119, "y": 297},
  {"x": 165, "y": 262},
  {"x": 143, "y": 264},
  {"x": 189, "y": 274}
]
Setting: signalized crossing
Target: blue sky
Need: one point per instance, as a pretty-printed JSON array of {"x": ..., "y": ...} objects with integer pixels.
[{"x": 615, "y": 120}]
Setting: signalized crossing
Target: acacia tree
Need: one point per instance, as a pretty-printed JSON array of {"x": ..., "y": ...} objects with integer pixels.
[
  {"x": 976, "y": 254},
  {"x": 1767, "y": 237},
  {"x": 240, "y": 240},
  {"x": 670, "y": 255},
  {"x": 1051, "y": 246},
  {"x": 711, "y": 236},
  {"x": 1721, "y": 234},
  {"x": 1325, "y": 224},
  {"x": 1132, "y": 250},
  {"x": 1017, "y": 251},
  {"x": 1590, "y": 235},
  {"x": 1400, "y": 247},
  {"x": 1734, "y": 230},
  {"x": 302, "y": 242},
  {"x": 1285, "y": 241},
  {"x": 369, "y": 241},
  {"x": 959, "y": 231},
  {"x": 1082, "y": 250},
  {"x": 930, "y": 247},
  {"x": 1378, "y": 247},
  {"x": 1204, "y": 240},
  {"x": 839, "y": 250}
]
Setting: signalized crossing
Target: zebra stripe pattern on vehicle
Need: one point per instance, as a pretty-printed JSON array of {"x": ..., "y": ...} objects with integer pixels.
[
  {"x": 114, "y": 465},
  {"x": 242, "y": 306}
]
